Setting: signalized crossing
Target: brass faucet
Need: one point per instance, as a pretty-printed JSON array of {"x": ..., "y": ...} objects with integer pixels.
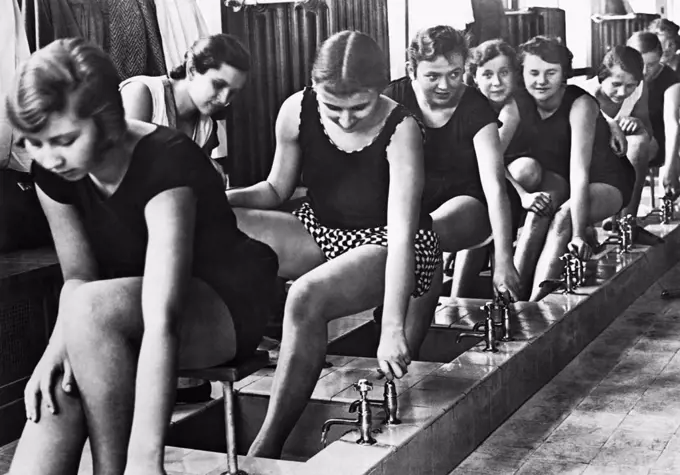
[
  {"x": 667, "y": 209},
  {"x": 573, "y": 275},
  {"x": 389, "y": 404},
  {"x": 484, "y": 330},
  {"x": 362, "y": 407}
]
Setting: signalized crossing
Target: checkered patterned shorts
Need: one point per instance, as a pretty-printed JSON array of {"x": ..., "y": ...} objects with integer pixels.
[{"x": 335, "y": 242}]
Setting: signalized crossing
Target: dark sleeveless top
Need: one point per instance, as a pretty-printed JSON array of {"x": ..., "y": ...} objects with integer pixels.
[
  {"x": 449, "y": 150},
  {"x": 520, "y": 145},
  {"x": 657, "y": 88},
  {"x": 347, "y": 190},
  {"x": 552, "y": 142}
]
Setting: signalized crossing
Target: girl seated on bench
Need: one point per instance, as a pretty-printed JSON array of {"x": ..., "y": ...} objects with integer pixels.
[
  {"x": 156, "y": 274},
  {"x": 215, "y": 69},
  {"x": 576, "y": 157},
  {"x": 360, "y": 154}
]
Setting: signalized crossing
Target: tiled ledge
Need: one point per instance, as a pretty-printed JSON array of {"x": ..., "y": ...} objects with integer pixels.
[
  {"x": 447, "y": 409},
  {"x": 474, "y": 394}
]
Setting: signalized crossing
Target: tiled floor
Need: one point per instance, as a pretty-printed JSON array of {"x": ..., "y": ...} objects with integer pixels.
[{"x": 614, "y": 410}]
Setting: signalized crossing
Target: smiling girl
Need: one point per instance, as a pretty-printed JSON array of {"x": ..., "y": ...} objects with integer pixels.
[{"x": 576, "y": 157}]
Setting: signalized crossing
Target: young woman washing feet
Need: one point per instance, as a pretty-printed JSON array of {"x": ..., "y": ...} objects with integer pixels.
[
  {"x": 464, "y": 174},
  {"x": 156, "y": 274},
  {"x": 361, "y": 157},
  {"x": 577, "y": 160}
]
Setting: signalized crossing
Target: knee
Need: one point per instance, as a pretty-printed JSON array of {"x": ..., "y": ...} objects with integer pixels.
[
  {"x": 528, "y": 172},
  {"x": 87, "y": 311},
  {"x": 305, "y": 301},
  {"x": 638, "y": 150},
  {"x": 561, "y": 222}
]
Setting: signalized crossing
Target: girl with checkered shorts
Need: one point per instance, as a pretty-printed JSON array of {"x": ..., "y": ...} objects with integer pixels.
[{"x": 360, "y": 155}]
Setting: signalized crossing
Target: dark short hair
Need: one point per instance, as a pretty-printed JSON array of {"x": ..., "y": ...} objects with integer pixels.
[
  {"x": 645, "y": 42},
  {"x": 349, "y": 62},
  {"x": 489, "y": 50},
  {"x": 627, "y": 58},
  {"x": 550, "y": 50},
  {"x": 68, "y": 68},
  {"x": 430, "y": 43},
  {"x": 212, "y": 52},
  {"x": 663, "y": 25}
]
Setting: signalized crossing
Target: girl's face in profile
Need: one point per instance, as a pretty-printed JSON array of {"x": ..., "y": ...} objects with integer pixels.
[
  {"x": 347, "y": 112},
  {"x": 214, "y": 90},
  {"x": 619, "y": 85},
  {"x": 496, "y": 79},
  {"x": 66, "y": 145},
  {"x": 653, "y": 65},
  {"x": 542, "y": 79}
]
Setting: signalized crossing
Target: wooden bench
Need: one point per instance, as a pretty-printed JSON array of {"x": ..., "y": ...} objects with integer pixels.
[{"x": 227, "y": 375}]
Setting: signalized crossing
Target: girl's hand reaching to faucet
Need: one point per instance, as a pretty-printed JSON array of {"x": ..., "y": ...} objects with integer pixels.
[{"x": 393, "y": 354}]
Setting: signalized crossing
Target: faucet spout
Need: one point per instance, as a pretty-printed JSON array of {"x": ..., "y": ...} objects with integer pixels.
[{"x": 331, "y": 422}]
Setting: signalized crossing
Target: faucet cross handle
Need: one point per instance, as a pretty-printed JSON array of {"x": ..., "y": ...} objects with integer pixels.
[{"x": 363, "y": 386}]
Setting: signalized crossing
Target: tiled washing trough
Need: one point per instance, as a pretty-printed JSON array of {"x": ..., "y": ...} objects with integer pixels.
[{"x": 447, "y": 408}]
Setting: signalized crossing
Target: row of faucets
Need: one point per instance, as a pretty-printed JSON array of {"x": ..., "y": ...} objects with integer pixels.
[
  {"x": 362, "y": 407},
  {"x": 497, "y": 321}
]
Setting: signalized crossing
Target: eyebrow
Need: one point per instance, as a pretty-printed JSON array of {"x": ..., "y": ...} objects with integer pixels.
[{"x": 65, "y": 135}]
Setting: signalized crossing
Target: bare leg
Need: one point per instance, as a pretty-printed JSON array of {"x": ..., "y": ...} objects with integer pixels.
[
  {"x": 103, "y": 330},
  {"x": 458, "y": 225},
  {"x": 527, "y": 172},
  {"x": 52, "y": 446},
  {"x": 605, "y": 200},
  {"x": 531, "y": 239},
  {"x": 466, "y": 268},
  {"x": 348, "y": 284},
  {"x": 638, "y": 155},
  {"x": 296, "y": 256}
]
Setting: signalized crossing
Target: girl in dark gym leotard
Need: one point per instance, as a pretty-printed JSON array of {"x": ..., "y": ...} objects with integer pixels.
[
  {"x": 360, "y": 154},
  {"x": 577, "y": 160},
  {"x": 156, "y": 274}
]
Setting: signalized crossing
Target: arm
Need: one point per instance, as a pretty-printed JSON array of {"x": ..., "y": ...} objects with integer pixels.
[
  {"x": 285, "y": 172},
  {"x": 641, "y": 110},
  {"x": 170, "y": 218},
  {"x": 404, "y": 155},
  {"x": 671, "y": 123},
  {"x": 78, "y": 267},
  {"x": 582, "y": 117},
  {"x": 510, "y": 118},
  {"x": 137, "y": 101},
  {"x": 490, "y": 162}
]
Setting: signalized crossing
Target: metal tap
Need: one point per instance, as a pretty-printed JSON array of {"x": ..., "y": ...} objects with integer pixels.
[
  {"x": 362, "y": 407},
  {"x": 389, "y": 404},
  {"x": 626, "y": 225},
  {"x": 484, "y": 330},
  {"x": 667, "y": 209},
  {"x": 503, "y": 307}
]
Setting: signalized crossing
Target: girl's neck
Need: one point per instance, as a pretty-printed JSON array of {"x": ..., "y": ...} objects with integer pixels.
[
  {"x": 548, "y": 106},
  {"x": 114, "y": 163},
  {"x": 185, "y": 106}
]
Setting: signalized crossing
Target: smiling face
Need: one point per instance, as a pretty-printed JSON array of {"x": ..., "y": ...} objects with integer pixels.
[
  {"x": 213, "y": 90},
  {"x": 496, "y": 79},
  {"x": 439, "y": 80},
  {"x": 66, "y": 145},
  {"x": 619, "y": 85},
  {"x": 542, "y": 79},
  {"x": 347, "y": 112}
]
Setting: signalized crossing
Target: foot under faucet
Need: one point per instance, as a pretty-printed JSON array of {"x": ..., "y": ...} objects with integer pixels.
[{"x": 362, "y": 407}]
